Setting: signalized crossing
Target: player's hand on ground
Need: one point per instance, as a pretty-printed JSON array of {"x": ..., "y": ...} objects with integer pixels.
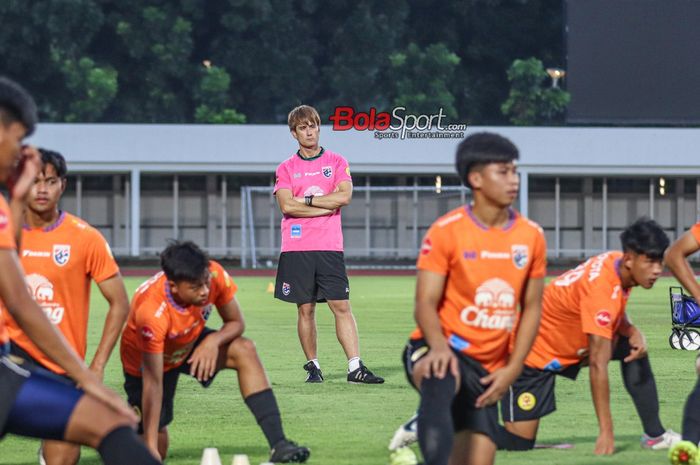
[
  {"x": 605, "y": 444},
  {"x": 91, "y": 385},
  {"x": 204, "y": 359},
  {"x": 638, "y": 345},
  {"x": 497, "y": 383},
  {"x": 27, "y": 170},
  {"x": 438, "y": 361}
]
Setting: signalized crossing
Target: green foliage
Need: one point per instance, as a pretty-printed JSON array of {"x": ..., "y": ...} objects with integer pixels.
[
  {"x": 424, "y": 78},
  {"x": 277, "y": 54},
  {"x": 530, "y": 102}
]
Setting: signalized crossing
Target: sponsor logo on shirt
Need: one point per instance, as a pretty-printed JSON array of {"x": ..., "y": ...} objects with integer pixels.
[
  {"x": 61, "y": 254},
  {"x": 327, "y": 171},
  {"x": 147, "y": 334},
  {"x": 494, "y": 306},
  {"x": 603, "y": 318},
  {"x": 296, "y": 231},
  {"x": 347, "y": 170},
  {"x": 286, "y": 288},
  {"x": 43, "y": 292},
  {"x": 426, "y": 246},
  {"x": 520, "y": 255},
  {"x": 488, "y": 255},
  {"x": 4, "y": 220},
  {"x": 527, "y": 401},
  {"x": 470, "y": 255},
  {"x": 35, "y": 253},
  {"x": 296, "y": 175},
  {"x": 312, "y": 173}
]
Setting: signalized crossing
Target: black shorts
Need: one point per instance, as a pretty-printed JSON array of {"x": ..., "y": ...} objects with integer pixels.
[
  {"x": 133, "y": 385},
  {"x": 464, "y": 415},
  {"x": 315, "y": 276},
  {"x": 17, "y": 351},
  {"x": 532, "y": 395}
]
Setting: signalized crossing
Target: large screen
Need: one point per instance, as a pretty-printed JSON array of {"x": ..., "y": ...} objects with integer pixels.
[{"x": 633, "y": 61}]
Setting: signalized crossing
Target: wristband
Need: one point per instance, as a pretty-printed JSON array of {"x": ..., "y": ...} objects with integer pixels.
[{"x": 308, "y": 199}]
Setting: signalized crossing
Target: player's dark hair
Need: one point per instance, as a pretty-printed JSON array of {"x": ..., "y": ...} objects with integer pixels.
[
  {"x": 483, "y": 148},
  {"x": 645, "y": 237},
  {"x": 16, "y": 105},
  {"x": 184, "y": 261},
  {"x": 55, "y": 159}
]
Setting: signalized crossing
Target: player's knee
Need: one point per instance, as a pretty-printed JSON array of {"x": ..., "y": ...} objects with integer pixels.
[
  {"x": 307, "y": 312},
  {"x": 341, "y": 308},
  {"x": 242, "y": 347}
]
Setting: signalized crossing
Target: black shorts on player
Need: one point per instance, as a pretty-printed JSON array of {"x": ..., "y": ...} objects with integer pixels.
[
  {"x": 133, "y": 385},
  {"x": 464, "y": 415},
  {"x": 313, "y": 276}
]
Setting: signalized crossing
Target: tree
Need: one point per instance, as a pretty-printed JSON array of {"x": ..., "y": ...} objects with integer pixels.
[
  {"x": 529, "y": 102},
  {"x": 213, "y": 97}
]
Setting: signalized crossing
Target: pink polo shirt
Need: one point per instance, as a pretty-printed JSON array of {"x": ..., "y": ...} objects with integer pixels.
[{"x": 312, "y": 176}]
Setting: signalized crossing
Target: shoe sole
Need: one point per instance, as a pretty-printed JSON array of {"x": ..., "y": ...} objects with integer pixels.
[
  {"x": 298, "y": 457},
  {"x": 363, "y": 382}
]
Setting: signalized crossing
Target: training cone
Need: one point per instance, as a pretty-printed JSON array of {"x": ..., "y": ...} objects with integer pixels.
[
  {"x": 211, "y": 456},
  {"x": 270, "y": 288},
  {"x": 683, "y": 453},
  {"x": 240, "y": 459},
  {"x": 403, "y": 456}
]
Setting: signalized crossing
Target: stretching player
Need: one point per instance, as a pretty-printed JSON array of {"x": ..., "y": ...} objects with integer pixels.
[
  {"x": 478, "y": 265},
  {"x": 584, "y": 322},
  {"x": 34, "y": 403},
  {"x": 61, "y": 254},
  {"x": 677, "y": 261},
  {"x": 166, "y": 336}
]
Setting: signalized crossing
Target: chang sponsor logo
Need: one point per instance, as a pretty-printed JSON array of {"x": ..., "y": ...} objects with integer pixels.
[{"x": 494, "y": 306}]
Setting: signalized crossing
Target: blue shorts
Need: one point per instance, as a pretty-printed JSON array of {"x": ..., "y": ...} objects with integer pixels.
[{"x": 34, "y": 402}]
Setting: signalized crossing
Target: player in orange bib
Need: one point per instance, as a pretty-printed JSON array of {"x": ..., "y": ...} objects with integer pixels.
[
  {"x": 33, "y": 402},
  {"x": 166, "y": 336},
  {"x": 677, "y": 261},
  {"x": 479, "y": 265},
  {"x": 584, "y": 322},
  {"x": 60, "y": 255}
]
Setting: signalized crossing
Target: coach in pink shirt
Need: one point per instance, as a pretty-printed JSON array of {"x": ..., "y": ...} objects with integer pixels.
[{"x": 311, "y": 187}]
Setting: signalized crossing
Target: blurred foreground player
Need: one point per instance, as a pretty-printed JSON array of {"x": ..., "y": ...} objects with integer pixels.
[
  {"x": 33, "y": 402},
  {"x": 166, "y": 336},
  {"x": 478, "y": 265},
  {"x": 61, "y": 256}
]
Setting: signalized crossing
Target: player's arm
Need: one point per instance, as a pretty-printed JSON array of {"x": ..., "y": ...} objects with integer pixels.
[
  {"x": 341, "y": 197},
  {"x": 296, "y": 209},
  {"x": 599, "y": 357},
  {"x": 114, "y": 292},
  {"x": 204, "y": 358},
  {"x": 32, "y": 319},
  {"x": 429, "y": 290},
  {"x": 676, "y": 260},
  {"x": 151, "y": 398},
  {"x": 637, "y": 341},
  {"x": 500, "y": 379}
]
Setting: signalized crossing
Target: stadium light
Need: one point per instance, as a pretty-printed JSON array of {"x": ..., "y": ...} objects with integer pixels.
[
  {"x": 662, "y": 186},
  {"x": 438, "y": 184},
  {"x": 556, "y": 74}
]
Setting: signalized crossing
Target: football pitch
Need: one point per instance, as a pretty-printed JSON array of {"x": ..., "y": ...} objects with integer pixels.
[{"x": 352, "y": 425}]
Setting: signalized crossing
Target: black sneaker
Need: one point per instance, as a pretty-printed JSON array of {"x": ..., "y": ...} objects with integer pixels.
[
  {"x": 287, "y": 451},
  {"x": 314, "y": 374},
  {"x": 363, "y": 376}
]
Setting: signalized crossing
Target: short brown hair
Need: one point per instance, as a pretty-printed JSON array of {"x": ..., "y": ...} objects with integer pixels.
[{"x": 302, "y": 114}]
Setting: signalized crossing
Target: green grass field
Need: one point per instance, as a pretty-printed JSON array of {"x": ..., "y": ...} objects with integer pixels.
[{"x": 351, "y": 425}]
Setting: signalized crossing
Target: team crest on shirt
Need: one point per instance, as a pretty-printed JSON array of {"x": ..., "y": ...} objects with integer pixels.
[
  {"x": 61, "y": 254},
  {"x": 519, "y": 253},
  {"x": 327, "y": 171},
  {"x": 286, "y": 288},
  {"x": 206, "y": 311}
]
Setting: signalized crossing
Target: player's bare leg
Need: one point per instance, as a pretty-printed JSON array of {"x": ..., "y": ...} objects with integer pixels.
[
  {"x": 242, "y": 356},
  {"x": 306, "y": 327},
  {"x": 60, "y": 453},
  {"x": 470, "y": 448},
  {"x": 90, "y": 422},
  {"x": 345, "y": 327},
  {"x": 525, "y": 429},
  {"x": 163, "y": 442}
]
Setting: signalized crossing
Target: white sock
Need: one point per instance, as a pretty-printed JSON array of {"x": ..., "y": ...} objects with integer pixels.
[
  {"x": 315, "y": 363},
  {"x": 353, "y": 364}
]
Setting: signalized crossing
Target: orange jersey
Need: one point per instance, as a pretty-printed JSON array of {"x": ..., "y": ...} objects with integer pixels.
[
  {"x": 59, "y": 261},
  {"x": 695, "y": 231},
  {"x": 7, "y": 241},
  {"x": 586, "y": 300},
  {"x": 486, "y": 270},
  {"x": 157, "y": 324}
]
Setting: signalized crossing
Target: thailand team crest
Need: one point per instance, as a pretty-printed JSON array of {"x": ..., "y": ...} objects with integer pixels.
[
  {"x": 327, "y": 171},
  {"x": 206, "y": 311},
  {"x": 61, "y": 254},
  {"x": 520, "y": 255},
  {"x": 286, "y": 288}
]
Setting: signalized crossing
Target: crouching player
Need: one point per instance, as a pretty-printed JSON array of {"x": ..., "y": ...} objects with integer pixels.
[
  {"x": 166, "y": 336},
  {"x": 33, "y": 402},
  {"x": 677, "y": 261},
  {"x": 477, "y": 265},
  {"x": 584, "y": 322}
]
